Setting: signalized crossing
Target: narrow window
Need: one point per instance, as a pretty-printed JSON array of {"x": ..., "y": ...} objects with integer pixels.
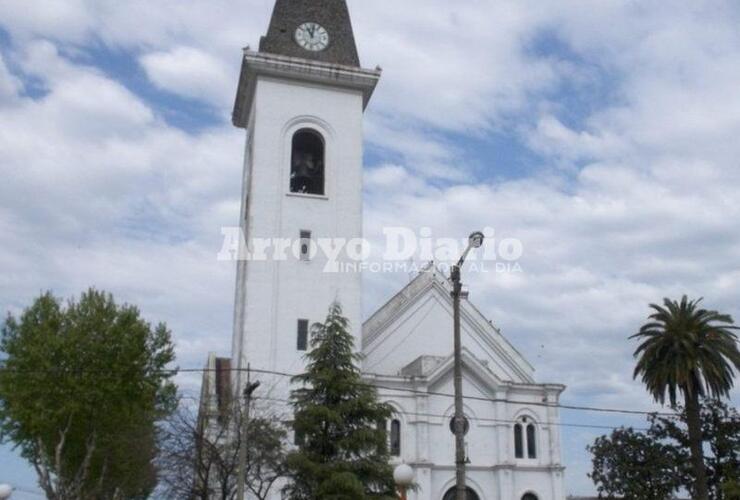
[
  {"x": 529, "y": 496},
  {"x": 299, "y": 438},
  {"x": 302, "y": 343},
  {"x": 531, "y": 441},
  {"x": 518, "y": 441},
  {"x": 306, "y": 245},
  {"x": 307, "y": 163},
  {"x": 396, "y": 438}
]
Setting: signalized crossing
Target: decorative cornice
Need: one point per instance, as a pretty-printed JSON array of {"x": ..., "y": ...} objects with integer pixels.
[
  {"x": 534, "y": 468},
  {"x": 256, "y": 64},
  {"x": 504, "y": 466}
]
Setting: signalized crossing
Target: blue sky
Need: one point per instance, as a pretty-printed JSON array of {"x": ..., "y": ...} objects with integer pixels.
[{"x": 603, "y": 135}]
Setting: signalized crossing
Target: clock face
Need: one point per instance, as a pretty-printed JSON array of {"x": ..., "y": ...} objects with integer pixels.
[{"x": 312, "y": 36}]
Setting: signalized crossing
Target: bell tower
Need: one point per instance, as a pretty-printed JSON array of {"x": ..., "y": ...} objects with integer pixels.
[{"x": 301, "y": 99}]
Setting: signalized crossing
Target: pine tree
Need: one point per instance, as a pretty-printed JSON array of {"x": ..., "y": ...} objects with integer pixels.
[{"x": 342, "y": 452}]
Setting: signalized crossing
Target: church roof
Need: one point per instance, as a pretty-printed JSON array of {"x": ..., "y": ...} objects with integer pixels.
[
  {"x": 413, "y": 323},
  {"x": 333, "y": 15}
]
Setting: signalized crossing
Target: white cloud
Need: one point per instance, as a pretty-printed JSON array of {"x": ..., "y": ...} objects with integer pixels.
[
  {"x": 393, "y": 178},
  {"x": 98, "y": 189},
  {"x": 87, "y": 102},
  {"x": 454, "y": 66},
  {"x": 9, "y": 84},
  {"x": 554, "y": 139},
  {"x": 68, "y": 20},
  {"x": 192, "y": 73}
]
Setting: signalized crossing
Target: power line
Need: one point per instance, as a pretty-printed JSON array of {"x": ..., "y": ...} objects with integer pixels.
[
  {"x": 485, "y": 419},
  {"x": 480, "y": 419},
  {"x": 176, "y": 371},
  {"x": 492, "y": 400},
  {"x": 480, "y": 398}
]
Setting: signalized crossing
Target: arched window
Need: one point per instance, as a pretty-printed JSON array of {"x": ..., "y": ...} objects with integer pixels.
[
  {"x": 470, "y": 494},
  {"x": 525, "y": 438},
  {"x": 395, "y": 438},
  {"x": 531, "y": 441},
  {"x": 529, "y": 496},
  {"x": 518, "y": 441},
  {"x": 307, "y": 163}
]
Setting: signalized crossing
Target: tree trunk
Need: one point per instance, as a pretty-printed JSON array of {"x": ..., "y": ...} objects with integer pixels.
[{"x": 693, "y": 421}]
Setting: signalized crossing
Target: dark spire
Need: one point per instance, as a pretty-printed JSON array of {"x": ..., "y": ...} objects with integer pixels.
[{"x": 332, "y": 15}]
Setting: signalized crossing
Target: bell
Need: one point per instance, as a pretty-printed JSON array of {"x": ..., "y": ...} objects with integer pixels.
[{"x": 306, "y": 174}]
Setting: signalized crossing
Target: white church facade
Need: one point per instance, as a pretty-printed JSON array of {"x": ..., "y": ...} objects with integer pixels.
[
  {"x": 513, "y": 438},
  {"x": 301, "y": 100}
]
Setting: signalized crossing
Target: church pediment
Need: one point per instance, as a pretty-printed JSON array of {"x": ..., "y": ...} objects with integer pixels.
[
  {"x": 413, "y": 331},
  {"x": 435, "y": 370}
]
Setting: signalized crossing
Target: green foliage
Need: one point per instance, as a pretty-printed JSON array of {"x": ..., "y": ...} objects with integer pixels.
[
  {"x": 731, "y": 490},
  {"x": 632, "y": 465},
  {"x": 92, "y": 373},
  {"x": 654, "y": 464},
  {"x": 343, "y": 453},
  {"x": 688, "y": 349},
  {"x": 720, "y": 427},
  {"x": 693, "y": 351}
]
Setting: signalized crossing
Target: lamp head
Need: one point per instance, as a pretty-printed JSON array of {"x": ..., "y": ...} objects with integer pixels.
[
  {"x": 403, "y": 475},
  {"x": 476, "y": 239},
  {"x": 5, "y": 491}
]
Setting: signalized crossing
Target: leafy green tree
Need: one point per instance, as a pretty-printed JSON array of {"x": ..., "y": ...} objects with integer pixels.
[
  {"x": 720, "y": 427},
  {"x": 627, "y": 462},
  {"x": 690, "y": 350},
  {"x": 342, "y": 452},
  {"x": 635, "y": 466},
  {"x": 81, "y": 389}
]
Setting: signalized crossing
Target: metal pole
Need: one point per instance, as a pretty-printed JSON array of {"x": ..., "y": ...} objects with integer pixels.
[
  {"x": 402, "y": 491},
  {"x": 240, "y": 480},
  {"x": 474, "y": 241},
  {"x": 459, "y": 415}
]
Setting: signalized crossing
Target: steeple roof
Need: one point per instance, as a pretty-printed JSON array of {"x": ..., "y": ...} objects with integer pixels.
[{"x": 333, "y": 15}]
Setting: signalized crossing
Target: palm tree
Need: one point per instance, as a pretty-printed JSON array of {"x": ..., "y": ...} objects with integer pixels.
[{"x": 692, "y": 351}]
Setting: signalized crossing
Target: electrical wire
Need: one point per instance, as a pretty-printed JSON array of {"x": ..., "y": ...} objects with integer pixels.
[
  {"x": 481, "y": 419},
  {"x": 176, "y": 371}
]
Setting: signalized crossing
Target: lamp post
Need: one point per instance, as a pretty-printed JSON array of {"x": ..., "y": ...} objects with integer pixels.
[
  {"x": 240, "y": 480},
  {"x": 475, "y": 241},
  {"x": 403, "y": 475},
  {"x": 5, "y": 491}
]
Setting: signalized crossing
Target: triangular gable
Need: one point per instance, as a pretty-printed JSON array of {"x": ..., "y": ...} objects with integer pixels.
[
  {"x": 470, "y": 364},
  {"x": 417, "y": 321}
]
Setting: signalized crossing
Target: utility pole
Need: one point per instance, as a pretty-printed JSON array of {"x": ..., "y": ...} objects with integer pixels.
[
  {"x": 240, "y": 480},
  {"x": 459, "y": 414},
  {"x": 475, "y": 241}
]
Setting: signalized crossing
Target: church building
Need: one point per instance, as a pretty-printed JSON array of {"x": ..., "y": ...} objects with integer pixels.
[{"x": 301, "y": 99}]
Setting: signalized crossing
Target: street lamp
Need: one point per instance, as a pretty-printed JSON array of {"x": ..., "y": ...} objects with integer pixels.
[
  {"x": 403, "y": 475},
  {"x": 240, "y": 480},
  {"x": 5, "y": 491},
  {"x": 474, "y": 241}
]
